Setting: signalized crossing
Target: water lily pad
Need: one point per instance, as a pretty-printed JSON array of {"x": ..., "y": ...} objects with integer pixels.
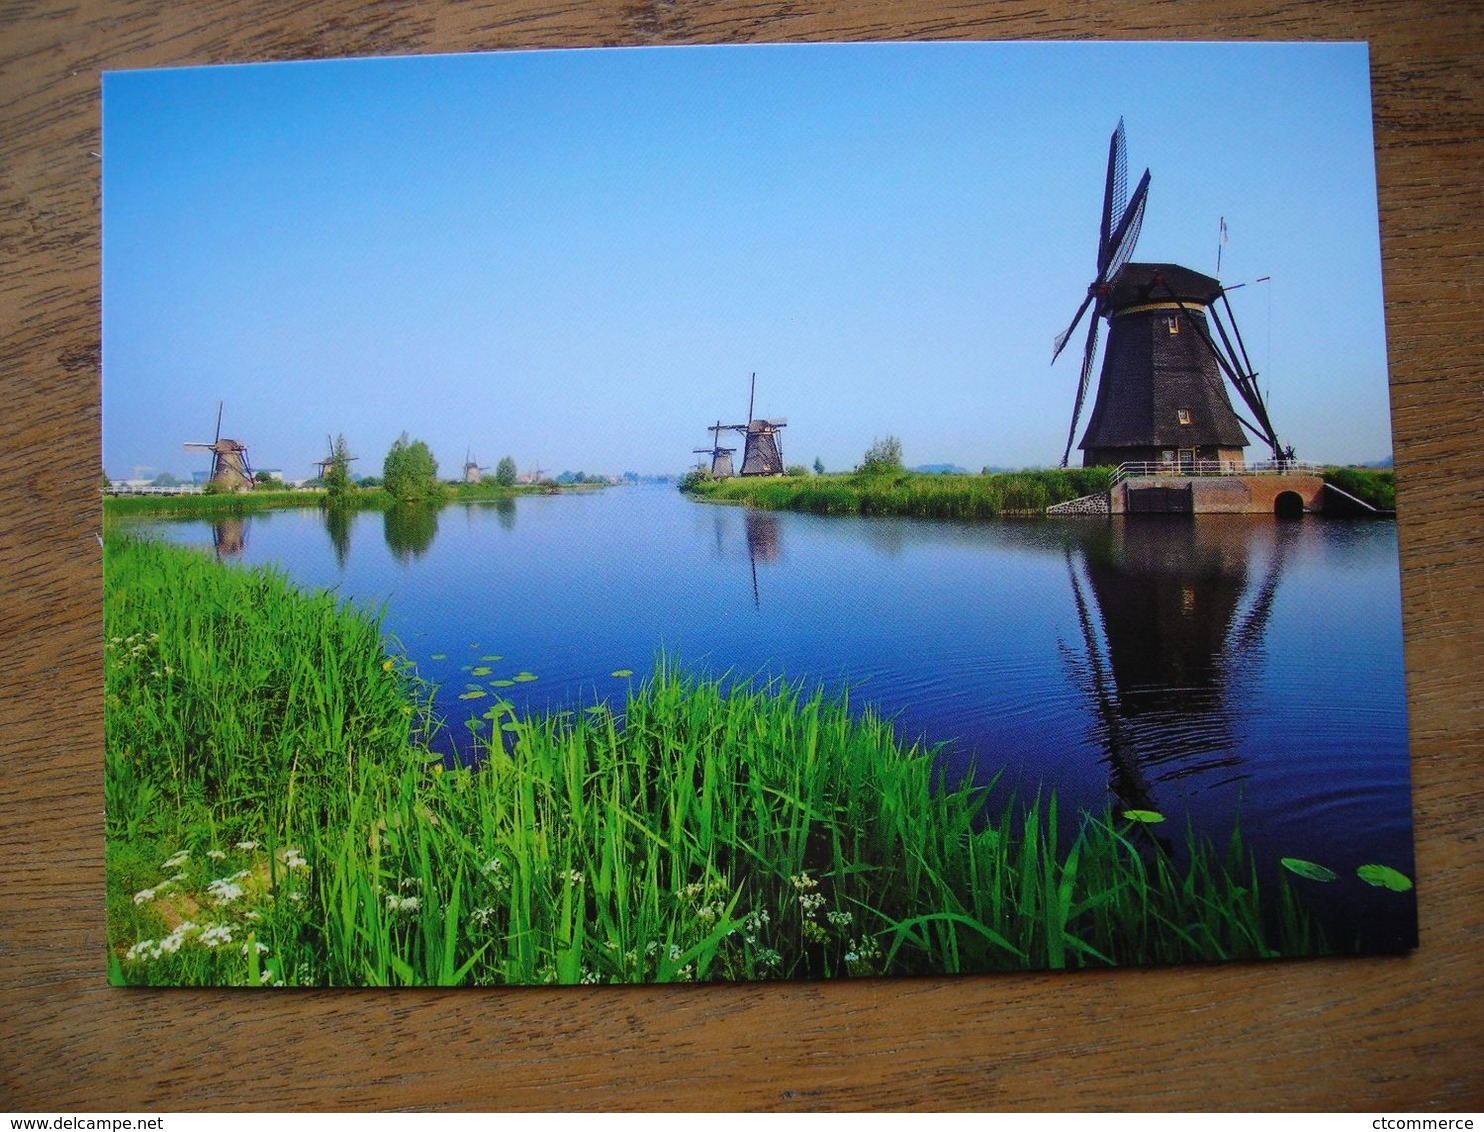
[
  {"x": 439, "y": 656},
  {"x": 1308, "y": 869},
  {"x": 502, "y": 683},
  {"x": 1383, "y": 876},
  {"x": 622, "y": 672},
  {"x": 523, "y": 677},
  {"x": 481, "y": 670},
  {"x": 1148, "y": 817},
  {"x": 492, "y": 658},
  {"x": 474, "y": 723},
  {"x": 475, "y": 694}
]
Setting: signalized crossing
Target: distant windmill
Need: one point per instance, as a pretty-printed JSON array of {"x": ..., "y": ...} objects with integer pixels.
[
  {"x": 325, "y": 464},
  {"x": 721, "y": 458},
  {"x": 473, "y": 473},
  {"x": 230, "y": 470},
  {"x": 1160, "y": 397},
  {"x": 762, "y": 455}
]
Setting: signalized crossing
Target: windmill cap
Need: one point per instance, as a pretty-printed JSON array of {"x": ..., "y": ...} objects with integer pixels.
[{"x": 1138, "y": 283}]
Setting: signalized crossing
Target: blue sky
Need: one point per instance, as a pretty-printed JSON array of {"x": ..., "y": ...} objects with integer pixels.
[{"x": 577, "y": 258}]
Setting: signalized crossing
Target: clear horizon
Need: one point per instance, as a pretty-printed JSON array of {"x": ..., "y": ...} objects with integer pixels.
[{"x": 578, "y": 258}]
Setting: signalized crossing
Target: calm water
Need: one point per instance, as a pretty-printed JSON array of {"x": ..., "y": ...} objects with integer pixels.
[{"x": 1216, "y": 669}]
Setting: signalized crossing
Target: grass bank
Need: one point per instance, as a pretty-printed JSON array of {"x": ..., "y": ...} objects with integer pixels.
[
  {"x": 932, "y": 496},
  {"x": 914, "y": 494},
  {"x": 233, "y": 504},
  {"x": 274, "y": 817},
  {"x": 1376, "y": 486}
]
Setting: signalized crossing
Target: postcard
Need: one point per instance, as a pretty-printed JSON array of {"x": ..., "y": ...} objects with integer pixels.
[{"x": 694, "y": 514}]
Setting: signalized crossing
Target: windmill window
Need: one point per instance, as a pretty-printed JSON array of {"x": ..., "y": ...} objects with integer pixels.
[
  {"x": 1183, "y": 416},
  {"x": 1173, "y": 322}
]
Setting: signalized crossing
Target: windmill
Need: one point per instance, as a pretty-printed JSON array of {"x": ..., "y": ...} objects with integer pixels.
[
  {"x": 230, "y": 470},
  {"x": 1161, "y": 398},
  {"x": 761, "y": 454},
  {"x": 721, "y": 458},
  {"x": 473, "y": 473},
  {"x": 329, "y": 460}
]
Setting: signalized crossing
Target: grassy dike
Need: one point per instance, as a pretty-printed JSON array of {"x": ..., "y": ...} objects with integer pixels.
[
  {"x": 236, "y": 504},
  {"x": 274, "y": 818},
  {"x": 916, "y": 494},
  {"x": 933, "y": 496}
]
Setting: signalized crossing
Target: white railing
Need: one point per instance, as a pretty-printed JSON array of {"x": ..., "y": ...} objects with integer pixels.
[
  {"x": 130, "y": 489},
  {"x": 1135, "y": 469}
]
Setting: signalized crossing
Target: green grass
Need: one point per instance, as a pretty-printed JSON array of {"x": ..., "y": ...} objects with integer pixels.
[
  {"x": 221, "y": 503},
  {"x": 231, "y": 504},
  {"x": 274, "y": 816},
  {"x": 1376, "y": 486},
  {"x": 914, "y": 494}
]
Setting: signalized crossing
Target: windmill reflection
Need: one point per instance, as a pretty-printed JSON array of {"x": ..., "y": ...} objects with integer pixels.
[
  {"x": 763, "y": 540},
  {"x": 762, "y": 543},
  {"x": 229, "y": 538},
  {"x": 1164, "y": 677}
]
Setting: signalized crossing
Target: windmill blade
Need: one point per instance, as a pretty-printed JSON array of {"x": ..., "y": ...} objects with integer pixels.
[
  {"x": 1061, "y": 339},
  {"x": 1087, "y": 357},
  {"x": 219, "y": 405},
  {"x": 1115, "y": 194},
  {"x": 1127, "y": 233}
]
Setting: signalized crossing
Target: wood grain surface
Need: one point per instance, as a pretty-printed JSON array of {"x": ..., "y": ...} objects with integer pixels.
[{"x": 1382, "y": 1034}]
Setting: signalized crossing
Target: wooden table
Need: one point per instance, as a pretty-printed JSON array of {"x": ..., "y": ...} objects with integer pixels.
[{"x": 1391, "y": 1034}]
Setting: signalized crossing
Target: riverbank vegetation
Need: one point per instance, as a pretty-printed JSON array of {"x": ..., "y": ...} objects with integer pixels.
[
  {"x": 355, "y": 498},
  {"x": 888, "y": 491},
  {"x": 880, "y": 488},
  {"x": 1376, "y": 486},
  {"x": 275, "y": 816}
]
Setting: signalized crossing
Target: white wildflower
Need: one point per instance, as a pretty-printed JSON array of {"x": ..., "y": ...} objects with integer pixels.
[
  {"x": 247, "y": 846},
  {"x": 216, "y": 854},
  {"x": 175, "y": 860},
  {"x": 223, "y": 891},
  {"x": 216, "y": 935},
  {"x": 144, "y": 895}
]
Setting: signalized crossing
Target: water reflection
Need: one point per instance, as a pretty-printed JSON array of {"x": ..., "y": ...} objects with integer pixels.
[
  {"x": 229, "y": 538},
  {"x": 762, "y": 543},
  {"x": 1165, "y": 676},
  {"x": 337, "y": 525},
  {"x": 409, "y": 529}
]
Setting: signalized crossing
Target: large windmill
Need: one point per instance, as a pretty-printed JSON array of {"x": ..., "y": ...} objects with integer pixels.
[
  {"x": 761, "y": 453},
  {"x": 1161, "y": 398},
  {"x": 230, "y": 470},
  {"x": 721, "y": 458}
]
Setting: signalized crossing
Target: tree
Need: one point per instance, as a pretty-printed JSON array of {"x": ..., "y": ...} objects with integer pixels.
[
  {"x": 818, "y": 466},
  {"x": 505, "y": 472},
  {"x": 884, "y": 457},
  {"x": 410, "y": 472},
  {"x": 336, "y": 476}
]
